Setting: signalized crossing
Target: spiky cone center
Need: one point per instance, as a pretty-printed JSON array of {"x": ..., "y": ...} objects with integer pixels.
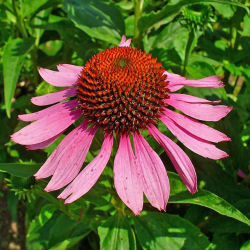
[{"x": 122, "y": 90}]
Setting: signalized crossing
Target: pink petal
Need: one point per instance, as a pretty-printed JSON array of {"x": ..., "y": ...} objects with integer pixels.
[
  {"x": 190, "y": 99},
  {"x": 127, "y": 179},
  {"x": 53, "y": 97},
  {"x": 90, "y": 174},
  {"x": 124, "y": 43},
  {"x": 43, "y": 144},
  {"x": 49, "y": 167},
  {"x": 179, "y": 158},
  {"x": 155, "y": 179},
  {"x": 69, "y": 159},
  {"x": 47, "y": 127},
  {"x": 70, "y": 68},
  {"x": 197, "y": 145},
  {"x": 198, "y": 110},
  {"x": 60, "y": 107},
  {"x": 241, "y": 174},
  {"x": 176, "y": 82},
  {"x": 196, "y": 128},
  {"x": 59, "y": 78}
]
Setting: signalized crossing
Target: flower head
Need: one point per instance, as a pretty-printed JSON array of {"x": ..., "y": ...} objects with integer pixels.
[{"x": 121, "y": 91}]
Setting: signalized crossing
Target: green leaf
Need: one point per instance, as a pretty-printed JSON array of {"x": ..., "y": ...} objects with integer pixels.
[
  {"x": 19, "y": 169},
  {"x": 169, "y": 232},
  {"x": 214, "y": 176},
  {"x": 200, "y": 69},
  {"x": 203, "y": 198},
  {"x": 152, "y": 18},
  {"x": 65, "y": 228},
  {"x": 52, "y": 47},
  {"x": 226, "y": 241},
  {"x": 55, "y": 230},
  {"x": 13, "y": 57},
  {"x": 226, "y": 225},
  {"x": 45, "y": 88},
  {"x": 246, "y": 29},
  {"x": 246, "y": 245},
  {"x": 46, "y": 214},
  {"x": 116, "y": 234},
  {"x": 224, "y": 9},
  {"x": 29, "y": 7},
  {"x": 169, "y": 37},
  {"x": 98, "y": 19},
  {"x": 68, "y": 243}
]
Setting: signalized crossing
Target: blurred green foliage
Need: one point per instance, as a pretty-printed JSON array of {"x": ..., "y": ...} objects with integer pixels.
[{"x": 194, "y": 38}]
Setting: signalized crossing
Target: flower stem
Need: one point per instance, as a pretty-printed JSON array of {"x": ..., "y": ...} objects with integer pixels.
[
  {"x": 19, "y": 20},
  {"x": 24, "y": 33},
  {"x": 138, "y": 6},
  {"x": 191, "y": 38}
]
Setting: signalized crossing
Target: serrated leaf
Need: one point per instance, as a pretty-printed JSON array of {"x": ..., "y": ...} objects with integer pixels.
[
  {"x": 152, "y": 18},
  {"x": 98, "y": 19},
  {"x": 19, "y": 169},
  {"x": 203, "y": 198},
  {"x": 13, "y": 57},
  {"x": 116, "y": 234},
  {"x": 169, "y": 232}
]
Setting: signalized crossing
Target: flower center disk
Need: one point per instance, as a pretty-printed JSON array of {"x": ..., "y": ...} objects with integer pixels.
[{"x": 122, "y": 89}]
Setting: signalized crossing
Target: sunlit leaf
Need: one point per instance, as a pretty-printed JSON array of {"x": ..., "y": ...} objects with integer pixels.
[
  {"x": 203, "y": 198},
  {"x": 116, "y": 234},
  {"x": 29, "y": 7},
  {"x": 170, "y": 232},
  {"x": 14, "y": 54}
]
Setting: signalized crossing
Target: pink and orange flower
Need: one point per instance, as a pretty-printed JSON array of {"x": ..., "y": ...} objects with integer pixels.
[{"x": 121, "y": 91}]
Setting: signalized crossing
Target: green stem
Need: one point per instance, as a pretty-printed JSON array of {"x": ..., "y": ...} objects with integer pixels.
[
  {"x": 19, "y": 20},
  {"x": 238, "y": 86},
  {"x": 58, "y": 203},
  {"x": 138, "y": 6},
  {"x": 24, "y": 33},
  {"x": 188, "y": 49},
  {"x": 33, "y": 54}
]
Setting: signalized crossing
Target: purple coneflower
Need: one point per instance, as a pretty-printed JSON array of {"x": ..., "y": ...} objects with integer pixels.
[{"x": 121, "y": 91}]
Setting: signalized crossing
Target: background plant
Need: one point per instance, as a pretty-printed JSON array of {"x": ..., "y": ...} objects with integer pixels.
[{"x": 190, "y": 37}]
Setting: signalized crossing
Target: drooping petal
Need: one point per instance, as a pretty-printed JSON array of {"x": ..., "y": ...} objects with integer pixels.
[
  {"x": 43, "y": 144},
  {"x": 197, "y": 145},
  {"x": 70, "y": 159},
  {"x": 155, "y": 179},
  {"x": 176, "y": 82},
  {"x": 179, "y": 158},
  {"x": 90, "y": 174},
  {"x": 124, "y": 42},
  {"x": 57, "y": 108},
  {"x": 59, "y": 78},
  {"x": 49, "y": 167},
  {"x": 201, "y": 111},
  {"x": 70, "y": 68},
  {"x": 53, "y": 97},
  {"x": 46, "y": 128},
  {"x": 196, "y": 128},
  {"x": 127, "y": 178}
]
